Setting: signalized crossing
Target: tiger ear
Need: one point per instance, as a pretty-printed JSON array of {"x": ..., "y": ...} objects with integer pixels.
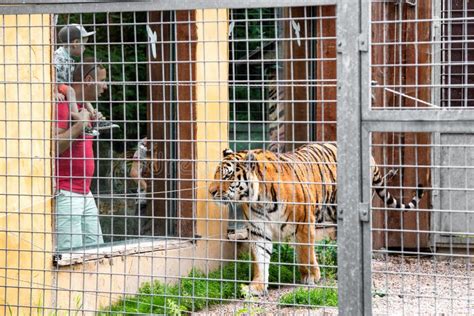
[
  {"x": 227, "y": 152},
  {"x": 251, "y": 161}
]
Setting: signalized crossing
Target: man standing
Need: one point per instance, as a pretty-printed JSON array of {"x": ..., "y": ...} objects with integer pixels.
[{"x": 77, "y": 222}]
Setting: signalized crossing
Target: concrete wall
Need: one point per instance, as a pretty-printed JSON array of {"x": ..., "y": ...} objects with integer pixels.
[{"x": 25, "y": 163}]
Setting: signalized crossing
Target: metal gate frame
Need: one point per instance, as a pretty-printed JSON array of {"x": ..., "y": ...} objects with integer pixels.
[
  {"x": 18, "y": 7},
  {"x": 356, "y": 122}
]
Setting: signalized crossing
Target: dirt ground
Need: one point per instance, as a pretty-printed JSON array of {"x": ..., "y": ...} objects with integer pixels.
[{"x": 401, "y": 285}]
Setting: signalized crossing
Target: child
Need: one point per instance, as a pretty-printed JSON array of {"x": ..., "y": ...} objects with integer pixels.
[{"x": 73, "y": 37}]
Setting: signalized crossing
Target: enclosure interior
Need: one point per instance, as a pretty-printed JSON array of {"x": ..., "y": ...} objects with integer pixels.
[{"x": 184, "y": 86}]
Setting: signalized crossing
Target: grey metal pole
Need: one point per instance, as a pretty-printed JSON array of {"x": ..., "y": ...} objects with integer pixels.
[{"x": 352, "y": 44}]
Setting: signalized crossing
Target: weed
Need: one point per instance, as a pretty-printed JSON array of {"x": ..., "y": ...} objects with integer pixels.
[
  {"x": 310, "y": 297},
  {"x": 199, "y": 290},
  {"x": 249, "y": 304}
]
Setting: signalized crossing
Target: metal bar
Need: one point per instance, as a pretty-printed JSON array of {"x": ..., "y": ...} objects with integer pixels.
[
  {"x": 351, "y": 265},
  {"x": 366, "y": 98},
  {"x": 41, "y": 2},
  {"x": 71, "y": 6},
  {"x": 435, "y": 220},
  {"x": 461, "y": 126},
  {"x": 420, "y": 115}
]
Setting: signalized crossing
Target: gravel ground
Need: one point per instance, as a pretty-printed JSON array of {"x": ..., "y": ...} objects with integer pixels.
[
  {"x": 401, "y": 286},
  {"x": 422, "y": 286},
  {"x": 267, "y": 305}
]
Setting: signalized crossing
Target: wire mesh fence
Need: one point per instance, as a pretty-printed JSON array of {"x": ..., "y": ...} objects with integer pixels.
[
  {"x": 422, "y": 257},
  {"x": 190, "y": 158}
]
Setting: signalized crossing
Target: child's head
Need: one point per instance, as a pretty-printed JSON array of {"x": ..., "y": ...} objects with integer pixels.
[{"x": 74, "y": 36}]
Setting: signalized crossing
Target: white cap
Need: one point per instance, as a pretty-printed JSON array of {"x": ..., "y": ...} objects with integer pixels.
[
  {"x": 84, "y": 32},
  {"x": 72, "y": 32}
]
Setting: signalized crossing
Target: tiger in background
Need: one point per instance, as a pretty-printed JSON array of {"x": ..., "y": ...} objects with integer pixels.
[{"x": 282, "y": 195}]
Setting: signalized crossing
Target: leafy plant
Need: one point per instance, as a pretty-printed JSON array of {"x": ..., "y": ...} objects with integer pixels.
[
  {"x": 378, "y": 293},
  {"x": 250, "y": 301},
  {"x": 285, "y": 267},
  {"x": 326, "y": 252},
  {"x": 311, "y": 297},
  {"x": 198, "y": 290}
]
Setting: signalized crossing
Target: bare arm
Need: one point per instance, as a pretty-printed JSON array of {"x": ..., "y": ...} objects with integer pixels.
[{"x": 65, "y": 137}]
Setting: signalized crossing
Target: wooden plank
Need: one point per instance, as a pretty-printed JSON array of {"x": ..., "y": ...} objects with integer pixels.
[
  {"x": 186, "y": 92},
  {"x": 326, "y": 93},
  {"x": 164, "y": 122},
  {"x": 392, "y": 153},
  {"x": 383, "y": 54},
  {"x": 418, "y": 56},
  {"x": 158, "y": 114},
  {"x": 295, "y": 76}
]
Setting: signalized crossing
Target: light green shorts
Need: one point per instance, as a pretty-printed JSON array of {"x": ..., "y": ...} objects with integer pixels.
[{"x": 77, "y": 221}]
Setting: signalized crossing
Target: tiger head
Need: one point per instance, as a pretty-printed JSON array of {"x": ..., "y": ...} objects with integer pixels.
[{"x": 235, "y": 179}]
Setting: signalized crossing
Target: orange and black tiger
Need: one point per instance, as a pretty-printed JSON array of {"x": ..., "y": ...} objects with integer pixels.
[{"x": 282, "y": 195}]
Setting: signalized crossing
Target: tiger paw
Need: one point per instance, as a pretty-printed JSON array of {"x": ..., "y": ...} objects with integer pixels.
[
  {"x": 253, "y": 289},
  {"x": 311, "y": 278}
]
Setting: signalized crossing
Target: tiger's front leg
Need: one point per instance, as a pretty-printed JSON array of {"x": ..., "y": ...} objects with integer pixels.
[
  {"x": 261, "y": 251},
  {"x": 308, "y": 263}
]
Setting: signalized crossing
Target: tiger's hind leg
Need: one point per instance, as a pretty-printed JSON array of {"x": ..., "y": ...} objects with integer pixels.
[{"x": 308, "y": 264}]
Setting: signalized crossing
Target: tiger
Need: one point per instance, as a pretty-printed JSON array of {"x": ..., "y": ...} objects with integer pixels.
[{"x": 282, "y": 195}]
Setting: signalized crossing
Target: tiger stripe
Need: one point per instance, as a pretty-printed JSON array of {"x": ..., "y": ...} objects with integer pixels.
[{"x": 286, "y": 194}]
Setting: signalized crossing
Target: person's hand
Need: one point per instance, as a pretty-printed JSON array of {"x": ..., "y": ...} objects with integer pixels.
[
  {"x": 98, "y": 115},
  {"x": 84, "y": 116},
  {"x": 59, "y": 97},
  {"x": 93, "y": 112}
]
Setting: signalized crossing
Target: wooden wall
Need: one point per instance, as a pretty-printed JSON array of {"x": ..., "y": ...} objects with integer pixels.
[
  {"x": 172, "y": 111},
  {"x": 393, "y": 148},
  {"x": 402, "y": 149}
]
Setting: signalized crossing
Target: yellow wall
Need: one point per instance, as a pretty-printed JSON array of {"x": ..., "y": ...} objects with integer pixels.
[
  {"x": 25, "y": 178},
  {"x": 25, "y": 164},
  {"x": 212, "y": 114}
]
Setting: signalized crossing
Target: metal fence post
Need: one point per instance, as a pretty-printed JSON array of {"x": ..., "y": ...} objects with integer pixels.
[{"x": 352, "y": 52}]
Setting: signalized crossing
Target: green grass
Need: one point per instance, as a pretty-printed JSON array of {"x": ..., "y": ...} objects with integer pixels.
[
  {"x": 198, "y": 289},
  {"x": 310, "y": 297}
]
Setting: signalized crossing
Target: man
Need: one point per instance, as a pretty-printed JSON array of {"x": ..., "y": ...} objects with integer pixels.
[{"x": 77, "y": 223}]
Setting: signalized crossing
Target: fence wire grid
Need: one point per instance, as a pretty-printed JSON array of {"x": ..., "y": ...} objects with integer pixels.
[{"x": 308, "y": 157}]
